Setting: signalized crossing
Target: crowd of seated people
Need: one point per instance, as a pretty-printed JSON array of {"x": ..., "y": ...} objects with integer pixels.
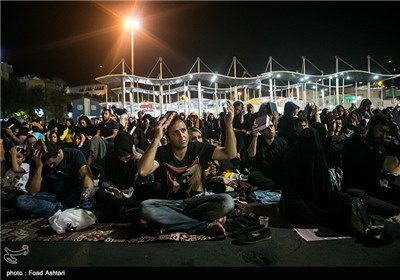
[{"x": 153, "y": 164}]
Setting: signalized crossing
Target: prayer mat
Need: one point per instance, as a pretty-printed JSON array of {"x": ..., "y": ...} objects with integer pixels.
[{"x": 40, "y": 230}]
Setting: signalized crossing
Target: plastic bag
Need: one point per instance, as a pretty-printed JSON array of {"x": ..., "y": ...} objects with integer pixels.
[
  {"x": 71, "y": 219},
  {"x": 336, "y": 177}
]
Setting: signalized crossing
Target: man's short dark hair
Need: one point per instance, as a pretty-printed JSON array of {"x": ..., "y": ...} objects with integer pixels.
[
  {"x": 300, "y": 120},
  {"x": 174, "y": 120},
  {"x": 379, "y": 119},
  {"x": 237, "y": 103},
  {"x": 52, "y": 151}
]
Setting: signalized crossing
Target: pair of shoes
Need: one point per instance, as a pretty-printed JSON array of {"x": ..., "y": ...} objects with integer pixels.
[
  {"x": 254, "y": 236},
  {"x": 246, "y": 193},
  {"x": 241, "y": 224},
  {"x": 247, "y": 220},
  {"x": 236, "y": 228}
]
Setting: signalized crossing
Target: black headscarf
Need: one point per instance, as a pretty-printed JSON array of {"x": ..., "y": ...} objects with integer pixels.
[
  {"x": 90, "y": 129},
  {"x": 143, "y": 142}
]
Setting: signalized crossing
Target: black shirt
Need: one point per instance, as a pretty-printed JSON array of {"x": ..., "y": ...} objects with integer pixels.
[
  {"x": 176, "y": 180},
  {"x": 269, "y": 158},
  {"x": 65, "y": 176},
  {"x": 106, "y": 128}
]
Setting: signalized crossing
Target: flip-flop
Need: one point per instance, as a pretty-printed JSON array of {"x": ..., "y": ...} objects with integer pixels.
[{"x": 251, "y": 237}]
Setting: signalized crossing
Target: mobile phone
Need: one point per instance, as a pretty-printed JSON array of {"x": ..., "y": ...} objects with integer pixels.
[{"x": 41, "y": 146}]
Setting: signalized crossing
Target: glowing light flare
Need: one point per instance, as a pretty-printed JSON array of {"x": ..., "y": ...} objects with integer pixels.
[{"x": 132, "y": 23}]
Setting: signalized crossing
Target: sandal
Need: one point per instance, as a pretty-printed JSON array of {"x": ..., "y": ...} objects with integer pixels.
[{"x": 251, "y": 237}]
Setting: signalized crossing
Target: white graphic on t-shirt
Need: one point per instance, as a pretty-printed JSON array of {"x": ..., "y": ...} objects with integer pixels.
[{"x": 187, "y": 179}]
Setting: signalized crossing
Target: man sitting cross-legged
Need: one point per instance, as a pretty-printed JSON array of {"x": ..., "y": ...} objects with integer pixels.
[
  {"x": 181, "y": 164},
  {"x": 56, "y": 181}
]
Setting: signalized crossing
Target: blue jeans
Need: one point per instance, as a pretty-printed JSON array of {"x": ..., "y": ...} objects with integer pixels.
[
  {"x": 45, "y": 204},
  {"x": 191, "y": 215}
]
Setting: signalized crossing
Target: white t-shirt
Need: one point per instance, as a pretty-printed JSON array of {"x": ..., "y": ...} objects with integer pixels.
[{"x": 17, "y": 180}]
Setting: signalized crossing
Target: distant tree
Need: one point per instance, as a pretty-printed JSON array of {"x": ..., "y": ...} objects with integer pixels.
[
  {"x": 21, "y": 102},
  {"x": 36, "y": 98},
  {"x": 55, "y": 104},
  {"x": 13, "y": 98}
]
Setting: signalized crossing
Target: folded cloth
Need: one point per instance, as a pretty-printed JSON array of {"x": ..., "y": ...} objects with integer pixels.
[{"x": 267, "y": 197}]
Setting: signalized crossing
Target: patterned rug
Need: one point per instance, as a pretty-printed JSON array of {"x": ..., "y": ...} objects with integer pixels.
[{"x": 40, "y": 230}]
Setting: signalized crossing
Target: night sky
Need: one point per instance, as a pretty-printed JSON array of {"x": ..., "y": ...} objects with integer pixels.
[{"x": 80, "y": 40}]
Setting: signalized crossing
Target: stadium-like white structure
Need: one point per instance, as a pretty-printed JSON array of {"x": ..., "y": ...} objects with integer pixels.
[{"x": 206, "y": 91}]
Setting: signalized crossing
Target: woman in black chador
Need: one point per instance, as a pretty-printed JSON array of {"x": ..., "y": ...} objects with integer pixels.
[{"x": 307, "y": 195}]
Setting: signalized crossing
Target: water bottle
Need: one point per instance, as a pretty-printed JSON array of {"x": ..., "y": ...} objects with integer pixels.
[{"x": 86, "y": 199}]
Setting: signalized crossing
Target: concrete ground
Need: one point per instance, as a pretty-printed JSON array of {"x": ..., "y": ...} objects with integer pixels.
[{"x": 285, "y": 253}]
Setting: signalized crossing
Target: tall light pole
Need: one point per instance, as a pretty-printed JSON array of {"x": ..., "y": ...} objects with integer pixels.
[{"x": 132, "y": 24}]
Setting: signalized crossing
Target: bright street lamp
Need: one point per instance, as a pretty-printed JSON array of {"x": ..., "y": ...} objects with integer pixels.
[{"x": 132, "y": 24}]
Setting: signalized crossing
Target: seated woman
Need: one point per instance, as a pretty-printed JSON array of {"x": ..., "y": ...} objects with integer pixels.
[
  {"x": 81, "y": 142},
  {"x": 140, "y": 140},
  {"x": 307, "y": 195},
  {"x": 85, "y": 126}
]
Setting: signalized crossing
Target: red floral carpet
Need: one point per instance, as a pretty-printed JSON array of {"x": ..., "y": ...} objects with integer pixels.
[{"x": 40, "y": 230}]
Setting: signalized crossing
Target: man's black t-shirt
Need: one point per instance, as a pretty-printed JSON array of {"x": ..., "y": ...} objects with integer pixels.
[
  {"x": 106, "y": 128},
  {"x": 269, "y": 158},
  {"x": 64, "y": 177},
  {"x": 181, "y": 179}
]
